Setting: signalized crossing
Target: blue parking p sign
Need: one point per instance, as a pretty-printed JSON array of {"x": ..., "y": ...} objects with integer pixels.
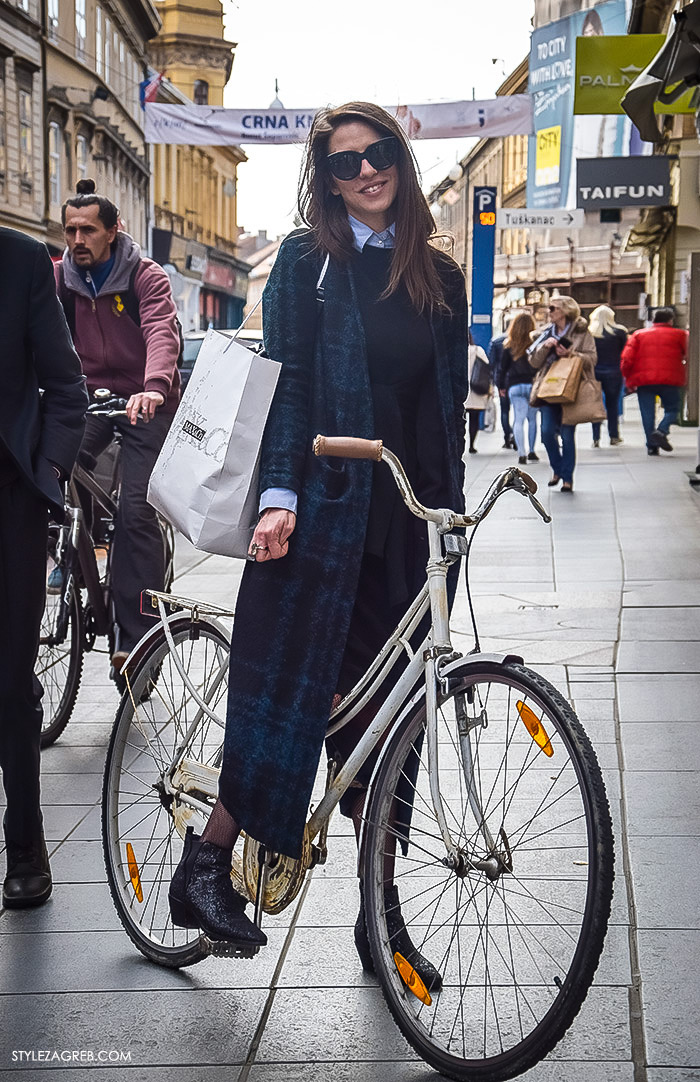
[{"x": 483, "y": 250}]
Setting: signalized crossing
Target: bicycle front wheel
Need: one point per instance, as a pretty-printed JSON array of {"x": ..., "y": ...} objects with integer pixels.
[
  {"x": 59, "y": 662},
  {"x": 164, "y": 749},
  {"x": 516, "y": 928}
]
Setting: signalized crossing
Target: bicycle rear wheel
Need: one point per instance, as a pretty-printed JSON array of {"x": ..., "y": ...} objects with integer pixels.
[
  {"x": 59, "y": 664},
  {"x": 162, "y": 744},
  {"x": 516, "y": 930}
]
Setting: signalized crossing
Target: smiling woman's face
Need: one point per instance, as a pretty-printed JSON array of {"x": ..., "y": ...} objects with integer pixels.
[{"x": 370, "y": 196}]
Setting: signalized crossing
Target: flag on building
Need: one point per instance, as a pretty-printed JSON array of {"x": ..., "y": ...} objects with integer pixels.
[{"x": 148, "y": 89}]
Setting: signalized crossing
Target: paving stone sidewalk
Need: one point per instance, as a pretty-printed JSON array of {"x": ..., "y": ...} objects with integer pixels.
[{"x": 606, "y": 603}]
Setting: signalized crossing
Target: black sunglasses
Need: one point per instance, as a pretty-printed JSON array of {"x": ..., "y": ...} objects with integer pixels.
[{"x": 347, "y": 164}]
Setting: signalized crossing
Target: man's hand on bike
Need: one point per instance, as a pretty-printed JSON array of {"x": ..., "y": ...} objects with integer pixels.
[
  {"x": 272, "y": 533},
  {"x": 143, "y": 405}
]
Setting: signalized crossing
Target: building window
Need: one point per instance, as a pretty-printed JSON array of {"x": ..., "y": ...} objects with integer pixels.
[
  {"x": 108, "y": 54},
  {"x": 26, "y": 171},
  {"x": 54, "y": 163},
  {"x": 52, "y": 18},
  {"x": 99, "y": 39},
  {"x": 81, "y": 156},
  {"x": 23, "y": 5},
  {"x": 201, "y": 92},
  {"x": 122, "y": 67},
  {"x": 80, "y": 29}
]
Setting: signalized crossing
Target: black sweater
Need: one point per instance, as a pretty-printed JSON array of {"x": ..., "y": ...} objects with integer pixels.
[{"x": 515, "y": 371}]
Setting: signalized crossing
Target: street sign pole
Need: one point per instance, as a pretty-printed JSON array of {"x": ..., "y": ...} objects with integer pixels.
[{"x": 483, "y": 252}]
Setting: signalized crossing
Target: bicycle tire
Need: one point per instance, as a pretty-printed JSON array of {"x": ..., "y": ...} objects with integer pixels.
[
  {"x": 136, "y": 810},
  {"x": 59, "y": 668},
  {"x": 517, "y": 953}
]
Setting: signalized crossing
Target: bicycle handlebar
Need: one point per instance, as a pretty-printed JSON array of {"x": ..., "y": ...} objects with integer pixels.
[
  {"x": 348, "y": 447},
  {"x": 108, "y": 407},
  {"x": 375, "y": 451}
]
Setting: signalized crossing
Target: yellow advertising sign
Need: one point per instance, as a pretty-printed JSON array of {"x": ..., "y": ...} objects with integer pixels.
[
  {"x": 547, "y": 156},
  {"x": 606, "y": 67}
]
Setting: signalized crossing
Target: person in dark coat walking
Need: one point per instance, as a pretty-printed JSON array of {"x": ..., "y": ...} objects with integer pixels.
[
  {"x": 39, "y": 438},
  {"x": 610, "y": 338},
  {"x": 496, "y": 347},
  {"x": 383, "y": 356}
]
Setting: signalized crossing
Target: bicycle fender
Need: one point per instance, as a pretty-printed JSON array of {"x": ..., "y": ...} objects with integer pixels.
[
  {"x": 469, "y": 660},
  {"x": 175, "y": 622}
]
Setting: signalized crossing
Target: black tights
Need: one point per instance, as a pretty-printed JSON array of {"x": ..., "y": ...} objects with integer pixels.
[{"x": 473, "y": 425}]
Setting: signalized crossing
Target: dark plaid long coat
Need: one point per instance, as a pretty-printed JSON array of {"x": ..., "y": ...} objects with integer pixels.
[{"x": 293, "y": 614}]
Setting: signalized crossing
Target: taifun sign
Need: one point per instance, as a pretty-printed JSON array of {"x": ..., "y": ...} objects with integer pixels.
[{"x": 642, "y": 181}]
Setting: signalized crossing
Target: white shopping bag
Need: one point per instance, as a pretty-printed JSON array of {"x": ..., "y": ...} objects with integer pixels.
[{"x": 205, "y": 480}]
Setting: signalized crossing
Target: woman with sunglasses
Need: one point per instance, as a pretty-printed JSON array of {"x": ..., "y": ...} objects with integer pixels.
[
  {"x": 369, "y": 320},
  {"x": 567, "y": 333}
]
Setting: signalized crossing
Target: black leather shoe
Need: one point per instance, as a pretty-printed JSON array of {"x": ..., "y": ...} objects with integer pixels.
[
  {"x": 399, "y": 939},
  {"x": 202, "y": 896},
  {"x": 660, "y": 439},
  {"x": 652, "y": 450},
  {"x": 532, "y": 457},
  {"x": 28, "y": 878}
]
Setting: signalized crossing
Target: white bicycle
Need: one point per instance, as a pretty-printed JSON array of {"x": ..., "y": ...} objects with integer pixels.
[{"x": 487, "y": 797}]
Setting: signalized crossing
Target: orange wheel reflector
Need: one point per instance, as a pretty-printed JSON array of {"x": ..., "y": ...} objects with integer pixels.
[
  {"x": 411, "y": 979},
  {"x": 535, "y": 728},
  {"x": 134, "y": 872}
]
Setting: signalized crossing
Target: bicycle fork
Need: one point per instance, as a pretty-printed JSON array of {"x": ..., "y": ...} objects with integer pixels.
[{"x": 440, "y": 652}]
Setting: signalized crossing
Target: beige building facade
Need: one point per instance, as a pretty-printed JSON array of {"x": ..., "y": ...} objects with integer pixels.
[
  {"x": 195, "y": 230},
  {"x": 22, "y": 183}
]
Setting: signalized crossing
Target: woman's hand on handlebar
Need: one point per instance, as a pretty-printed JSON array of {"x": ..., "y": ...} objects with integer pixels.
[
  {"x": 272, "y": 533},
  {"x": 143, "y": 405}
]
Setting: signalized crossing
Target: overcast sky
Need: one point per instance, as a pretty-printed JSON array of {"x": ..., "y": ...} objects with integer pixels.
[{"x": 386, "y": 51}]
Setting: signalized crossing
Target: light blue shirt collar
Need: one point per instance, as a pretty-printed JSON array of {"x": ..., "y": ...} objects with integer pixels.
[{"x": 362, "y": 235}]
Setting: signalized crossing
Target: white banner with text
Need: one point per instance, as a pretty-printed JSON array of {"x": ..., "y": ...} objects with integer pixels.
[{"x": 205, "y": 125}]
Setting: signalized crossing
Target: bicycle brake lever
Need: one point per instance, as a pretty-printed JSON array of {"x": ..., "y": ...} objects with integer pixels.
[{"x": 528, "y": 481}]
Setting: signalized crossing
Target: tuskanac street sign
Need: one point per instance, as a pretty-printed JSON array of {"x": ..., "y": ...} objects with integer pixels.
[{"x": 532, "y": 218}]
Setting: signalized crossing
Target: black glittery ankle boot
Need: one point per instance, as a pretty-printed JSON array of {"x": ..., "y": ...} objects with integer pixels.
[
  {"x": 202, "y": 895},
  {"x": 399, "y": 939}
]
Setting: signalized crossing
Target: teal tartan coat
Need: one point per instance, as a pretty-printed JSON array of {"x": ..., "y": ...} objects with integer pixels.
[{"x": 293, "y": 614}]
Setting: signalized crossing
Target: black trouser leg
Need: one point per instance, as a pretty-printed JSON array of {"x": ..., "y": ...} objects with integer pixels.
[
  {"x": 473, "y": 425},
  {"x": 138, "y": 561},
  {"x": 23, "y": 543},
  {"x": 505, "y": 417}
]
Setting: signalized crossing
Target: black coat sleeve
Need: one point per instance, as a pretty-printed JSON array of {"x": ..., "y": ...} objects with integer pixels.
[
  {"x": 289, "y": 329},
  {"x": 57, "y": 368}
]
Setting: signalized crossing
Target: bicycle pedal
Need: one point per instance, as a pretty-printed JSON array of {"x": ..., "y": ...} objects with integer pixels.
[{"x": 223, "y": 948}]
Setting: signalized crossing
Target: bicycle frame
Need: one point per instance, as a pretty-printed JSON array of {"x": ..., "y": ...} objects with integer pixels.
[{"x": 427, "y": 662}]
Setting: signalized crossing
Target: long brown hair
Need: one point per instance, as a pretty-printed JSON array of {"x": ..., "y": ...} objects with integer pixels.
[
  {"x": 414, "y": 261},
  {"x": 518, "y": 338}
]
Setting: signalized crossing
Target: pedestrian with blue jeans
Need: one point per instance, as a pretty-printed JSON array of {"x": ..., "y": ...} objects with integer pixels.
[
  {"x": 653, "y": 363},
  {"x": 610, "y": 338},
  {"x": 516, "y": 376},
  {"x": 559, "y": 437}
]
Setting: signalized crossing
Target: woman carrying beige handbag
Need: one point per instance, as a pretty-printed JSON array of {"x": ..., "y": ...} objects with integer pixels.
[{"x": 567, "y": 333}]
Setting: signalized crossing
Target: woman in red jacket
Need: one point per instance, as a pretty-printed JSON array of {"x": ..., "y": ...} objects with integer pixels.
[{"x": 653, "y": 363}]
